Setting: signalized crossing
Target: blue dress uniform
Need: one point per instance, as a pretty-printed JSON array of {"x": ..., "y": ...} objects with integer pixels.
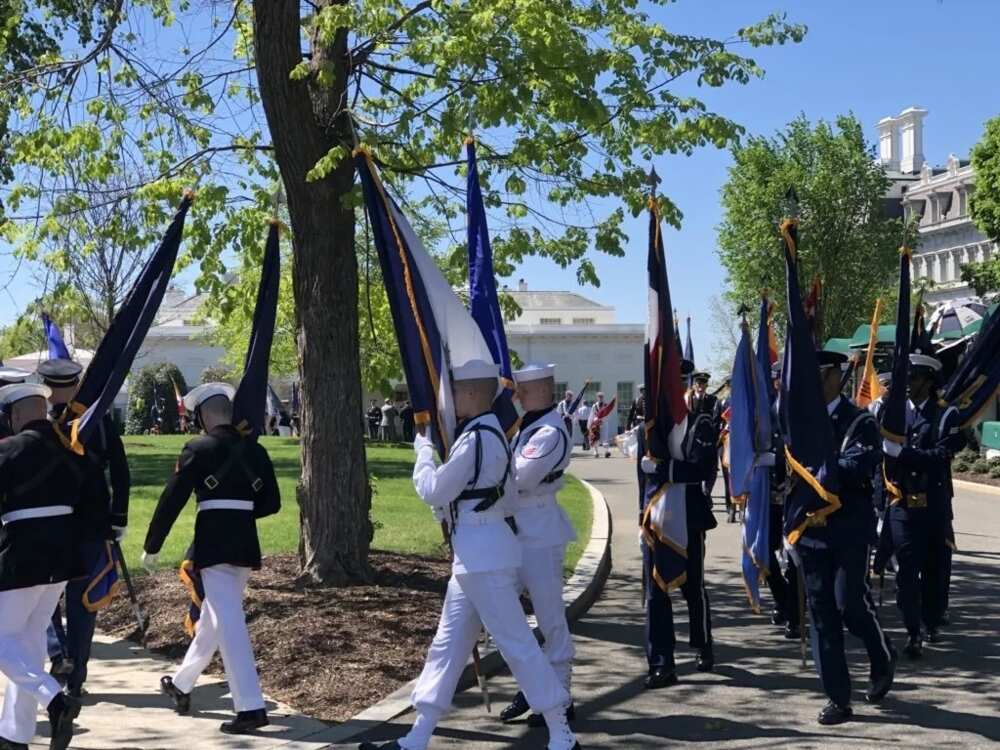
[
  {"x": 784, "y": 584},
  {"x": 834, "y": 565},
  {"x": 700, "y": 451},
  {"x": 921, "y": 519}
]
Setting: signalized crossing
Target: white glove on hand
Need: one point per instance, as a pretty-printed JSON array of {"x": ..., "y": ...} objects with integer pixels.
[
  {"x": 648, "y": 465},
  {"x": 891, "y": 449},
  {"x": 440, "y": 514},
  {"x": 149, "y": 561},
  {"x": 119, "y": 532},
  {"x": 422, "y": 441},
  {"x": 642, "y": 537},
  {"x": 765, "y": 459}
]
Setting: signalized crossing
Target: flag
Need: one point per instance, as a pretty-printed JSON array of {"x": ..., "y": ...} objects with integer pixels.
[
  {"x": 772, "y": 337},
  {"x": 870, "y": 389},
  {"x": 810, "y": 450},
  {"x": 483, "y": 301},
  {"x": 749, "y": 438},
  {"x": 893, "y": 415},
  {"x": 104, "y": 580},
  {"x": 249, "y": 403},
  {"x": 116, "y": 352},
  {"x": 664, "y": 519},
  {"x": 976, "y": 381},
  {"x": 599, "y": 416},
  {"x": 181, "y": 409},
  {"x": 688, "y": 346},
  {"x": 191, "y": 578},
  {"x": 579, "y": 397},
  {"x": 812, "y": 306},
  {"x": 295, "y": 404},
  {"x": 57, "y": 348},
  {"x": 433, "y": 328},
  {"x": 273, "y": 406}
]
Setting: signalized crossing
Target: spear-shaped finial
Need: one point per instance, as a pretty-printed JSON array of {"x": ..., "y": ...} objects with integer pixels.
[
  {"x": 791, "y": 204},
  {"x": 653, "y": 179}
]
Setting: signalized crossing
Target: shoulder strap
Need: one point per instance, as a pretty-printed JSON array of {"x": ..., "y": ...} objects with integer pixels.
[
  {"x": 864, "y": 415},
  {"x": 234, "y": 460}
]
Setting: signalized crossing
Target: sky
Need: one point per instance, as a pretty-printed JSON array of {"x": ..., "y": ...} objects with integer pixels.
[{"x": 872, "y": 58}]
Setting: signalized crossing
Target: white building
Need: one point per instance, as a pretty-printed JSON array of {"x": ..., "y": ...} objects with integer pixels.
[
  {"x": 939, "y": 199},
  {"x": 177, "y": 337}
]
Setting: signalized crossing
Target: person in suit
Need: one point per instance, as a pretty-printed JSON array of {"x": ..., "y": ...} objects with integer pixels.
[{"x": 374, "y": 417}]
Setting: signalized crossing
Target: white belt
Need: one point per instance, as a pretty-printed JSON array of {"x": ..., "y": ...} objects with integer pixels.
[
  {"x": 47, "y": 511},
  {"x": 225, "y": 505},
  {"x": 479, "y": 519}
]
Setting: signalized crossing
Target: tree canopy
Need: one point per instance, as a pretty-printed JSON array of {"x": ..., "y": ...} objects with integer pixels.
[{"x": 985, "y": 207}]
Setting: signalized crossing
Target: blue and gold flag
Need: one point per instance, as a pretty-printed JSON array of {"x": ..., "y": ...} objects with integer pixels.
[
  {"x": 53, "y": 336},
  {"x": 893, "y": 414},
  {"x": 104, "y": 580},
  {"x": 976, "y": 381},
  {"x": 116, "y": 352},
  {"x": 483, "y": 301},
  {"x": 688, "y": 344},
  {"x": 810, "y": 449}
]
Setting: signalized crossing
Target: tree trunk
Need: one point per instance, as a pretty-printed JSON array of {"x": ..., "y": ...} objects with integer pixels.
[{"x": 334, "y": 497}]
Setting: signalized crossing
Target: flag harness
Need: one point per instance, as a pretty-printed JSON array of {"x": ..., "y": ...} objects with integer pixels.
[
  {"x": 234, "y": 460},
  {"x": 487, "y": 496}
]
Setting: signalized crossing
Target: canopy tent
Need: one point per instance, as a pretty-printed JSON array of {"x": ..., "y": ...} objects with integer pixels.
[
  {"x": 31, "y": 360},
  {"x": 842, "y": 346}
]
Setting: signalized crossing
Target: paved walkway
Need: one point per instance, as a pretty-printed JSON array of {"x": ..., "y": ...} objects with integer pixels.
[{"x": 759, "y": 695}]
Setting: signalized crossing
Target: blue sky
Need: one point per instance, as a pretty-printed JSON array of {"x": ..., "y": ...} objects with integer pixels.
[{"x": 873, "y": 58}]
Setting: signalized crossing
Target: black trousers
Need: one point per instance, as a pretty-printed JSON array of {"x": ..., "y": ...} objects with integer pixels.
[
  {"x": 660, "y": 636},
  {"x": 585, "y": 433},
  {"x": 924, "y": 567},
  {"x": 784, "y": 585},
  {"x": 836, "y": 581}
]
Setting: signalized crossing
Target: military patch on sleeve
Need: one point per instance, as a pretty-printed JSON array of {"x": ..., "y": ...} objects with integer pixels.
[{"x": 530, "y": 451}]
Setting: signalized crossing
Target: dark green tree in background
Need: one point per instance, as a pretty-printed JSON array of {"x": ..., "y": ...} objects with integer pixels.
[
  {"x": 985, "y": 208},
  {"x": 154, "y": 384}
]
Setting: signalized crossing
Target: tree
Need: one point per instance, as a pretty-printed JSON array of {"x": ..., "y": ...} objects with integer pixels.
[
  {"x": 154, "y": 385},
  {"x": 845, "y": 236},
  {"x": 985, "y": 207},
  {"x": 569, "y": 102},
  {"x": 26, "y": 334}
]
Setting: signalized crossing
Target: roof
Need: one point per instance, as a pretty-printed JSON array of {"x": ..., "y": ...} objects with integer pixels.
[{"x": 532, "y": 300}]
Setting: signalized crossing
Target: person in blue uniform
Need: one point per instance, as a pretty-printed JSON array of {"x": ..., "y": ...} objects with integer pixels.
[
  {"x": 70, "y": 654},
  {"x": 834, "y": 557},
  {"x": 47, "y": 501},
  {"x": 698, "y": 466},
  {"x": 920, "y": 520}
]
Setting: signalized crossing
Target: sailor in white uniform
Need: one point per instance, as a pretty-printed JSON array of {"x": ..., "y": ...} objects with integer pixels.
[
  {"x": 542, "y": 451},
  {"x": 472, "y": 491}
]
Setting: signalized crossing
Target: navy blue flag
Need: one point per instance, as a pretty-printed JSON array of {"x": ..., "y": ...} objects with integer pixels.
[
  {"x": 664, "y": 517},
  {"x": 810, "y": 449},
  {"x": 250, "y": 401},
  {"x": 116, "y": 352},
  {"x": 104, "y": 580},
  {"x": 976, "y": 381},
  {"x": 579, "y": 397},
  {"x": 433, "y": 328},
  {"x": 893, "y": 414},
  {"x": 688, "y": 345},
  {"x": 57, "y": 347},
  {"x": 483, "y": 301}
]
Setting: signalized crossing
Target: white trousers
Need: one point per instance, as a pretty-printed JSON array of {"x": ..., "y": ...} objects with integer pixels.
[
  {"x": 24, "y": 616},
  {"x": 223, "y": 626},
  {"x": 490, "y": 599},
  {"x": 541, "y": 574}
]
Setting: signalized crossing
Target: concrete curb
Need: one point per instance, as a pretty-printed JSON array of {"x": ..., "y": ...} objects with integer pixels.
[
  {"x": 580, "y": 592},
  {"x": 987, "y": 489}
]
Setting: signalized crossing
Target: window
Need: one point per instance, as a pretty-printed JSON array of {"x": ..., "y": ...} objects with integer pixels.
[
  {"x": 625, "y": 397},
  {"x": 595, "y": 386},
  {"x": 560, "y": 391},
  {"x": 583, "y": 321},
  {"x": 550, "y": 321}
]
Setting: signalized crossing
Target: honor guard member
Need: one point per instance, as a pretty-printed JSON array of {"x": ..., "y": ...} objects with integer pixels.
[
  {"x": 10, "y": 376},
  {"x": 920, "y": 520},
  {"x": 702, "y": 402},
  {"x": 234, "y": 482},
  {"x": 700, "y": 455},
  {"x": 721, "y": 422},
  {"x": 472, "y": 492},
  {"x": 541, "y": 451},
  {"x": 835, "y": 556},
  {"x": 45, "y": 499},
  {"x": 106, "y": 455}
]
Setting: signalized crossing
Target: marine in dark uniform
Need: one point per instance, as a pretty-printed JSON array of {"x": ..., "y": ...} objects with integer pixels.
[
  {"x": 698, "y": 466},
  {"x": 70, "y": 648},
  {"x": 233, "y": 480},
  {"x": 834, "y": 557},
  {"x": 48, "y": 500},
  {"x": 921, "y": 520}
]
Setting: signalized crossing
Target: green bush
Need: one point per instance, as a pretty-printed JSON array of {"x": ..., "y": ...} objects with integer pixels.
[
  {"x": 967, "y": 454},
  {"x": 981, "y": 466},
  {"x": 959, "y": 466},
  {"x": 154, "y": 382},
  {"x": 995, "y": 472}
]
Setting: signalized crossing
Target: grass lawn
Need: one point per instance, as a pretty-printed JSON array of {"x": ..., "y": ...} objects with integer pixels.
[{"x": 403, "y": 523}]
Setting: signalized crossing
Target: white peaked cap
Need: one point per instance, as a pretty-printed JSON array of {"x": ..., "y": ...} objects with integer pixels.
[
  {"x": 885, "y": 378},
  {"x": 534, "y": 371},
  {"x": 13, "y": 374},
  {"x": 925, "y": 360},
  {"x": 197, "y": 396},
  {"x": 475, "y": 369},
  {"x": 11, "y": 394}
]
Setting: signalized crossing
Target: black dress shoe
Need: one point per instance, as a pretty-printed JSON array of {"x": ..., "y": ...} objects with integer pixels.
[
  {"x": 386, "y": 746},
  {"x": 182, "y": 700},
  {"x": 246, "y": 722},
  {"x": 834, "y": 714},
  {"x": 661, "y": 677},
  {"x": 778, "y": 617},
  {"x": 933, "y": 635},
  {"x": 880, "y": 686},
  {"x": 11, "y": 745},
  {"x": 944, "y": 620},
  {"x": 792, "y": 632},
  {"x": 537, "y": 720},
  {"x": 706, "y": 659},
  {"x": 62, "y": 710},
  {"x": 914, "y": 648},
  {"x": 518, "y": 707}
]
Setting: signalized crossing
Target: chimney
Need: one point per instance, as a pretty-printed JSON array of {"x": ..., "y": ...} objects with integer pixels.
[
  {"x": 911, "y": 136},
  {"x": 522, "y": 285},
  {"x": 888, "y": 143}
]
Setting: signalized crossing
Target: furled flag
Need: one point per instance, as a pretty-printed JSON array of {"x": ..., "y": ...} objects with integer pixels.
[
  {"x": 483, "y": 301},
  {"x": 250, "y": 401},
  {"x": 116, "y": 352},
  {"x": 104, "y": 580},
  {"x": 191, "y": 578},
  {"x": 664, "y": 520},
  {"x": 813, "y": 310},
  {"x": 893, "y": 414},
  {"x": 433, "y": 328},
  {"x": 870, "y": 389},
  {"x": 688, "y": 345},
  {"x": 579, "y": 397},
  {"x": 57, "y": 347},
  {"x": 273, "y": 406},
  {"x": 810, "y": 450},
  {"x": 181, "y": 409},
  {"x": 976, "y": 381},
  {"x": 749, "y": 439},
  {"x": 295, "y": 404}
]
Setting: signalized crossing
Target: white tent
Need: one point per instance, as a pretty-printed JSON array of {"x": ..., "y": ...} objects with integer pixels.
[{"x": 31, "y": 360}]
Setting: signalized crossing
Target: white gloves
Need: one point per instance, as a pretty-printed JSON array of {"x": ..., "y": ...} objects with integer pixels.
[
  {"x": 765, "y": 459},
  {"x": 648, "y": 465},
  {"x": 422, "y": 441},
  {"x": 891, "y": 449},
  {"x": 149, "y": 561},
  {"x": 119, "y": 532},
  {"x": 642, "y": 537},
  {"x": 440, "y": 514}
]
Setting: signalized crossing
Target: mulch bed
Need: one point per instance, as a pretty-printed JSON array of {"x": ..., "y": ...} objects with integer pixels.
[
  {"x": 977, "y": 478},
  {"x": 327, "y": 652}
]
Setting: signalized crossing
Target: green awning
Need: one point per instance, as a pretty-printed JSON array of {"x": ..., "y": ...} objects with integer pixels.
[
  {"x": 886, "y": 335},
  {"x": 841, "y": 346}
]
